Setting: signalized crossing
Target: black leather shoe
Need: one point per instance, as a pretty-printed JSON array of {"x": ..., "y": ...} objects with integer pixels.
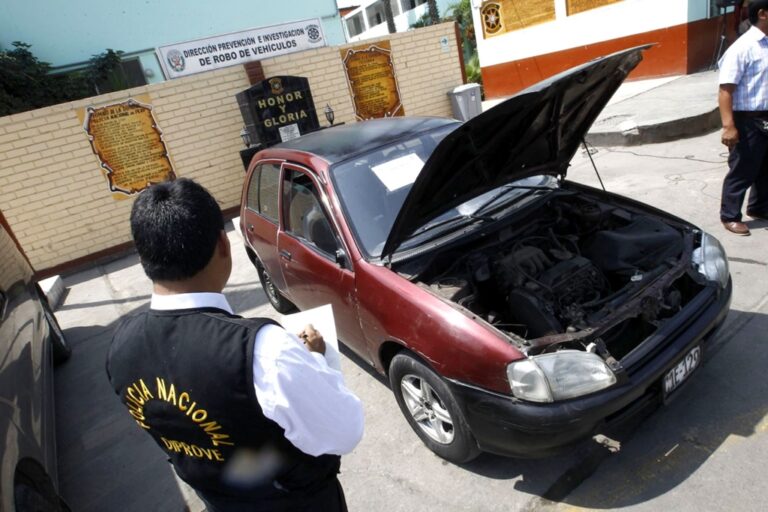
[
  {"x": 738, "y": 228},
  {"x": 758, "y": 215}
]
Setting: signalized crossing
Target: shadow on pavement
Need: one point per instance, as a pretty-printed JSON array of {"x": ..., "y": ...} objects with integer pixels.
[
  {"x": 105, "y": 460},
  {"x": 727, "y": 400}
]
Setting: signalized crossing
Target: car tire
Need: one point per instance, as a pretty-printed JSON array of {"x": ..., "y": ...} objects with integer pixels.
[
  {"x": 61, "y": 349},
  {"x": 278, "y": 301},
  {"x": 431, "y": 410}
]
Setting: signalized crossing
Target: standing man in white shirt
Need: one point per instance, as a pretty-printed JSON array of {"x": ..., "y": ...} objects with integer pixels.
[
  {"x": 743, "y": 101},
  {"x": 250, "y": 416}
]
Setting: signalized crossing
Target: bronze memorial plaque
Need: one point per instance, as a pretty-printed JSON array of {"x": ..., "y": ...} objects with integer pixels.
[
  {"x": 129, "y": 145},
  {"x": 502, "y": 16},
  {"x": 372, "y": 81},
  {"x": 577, "y": 6}
]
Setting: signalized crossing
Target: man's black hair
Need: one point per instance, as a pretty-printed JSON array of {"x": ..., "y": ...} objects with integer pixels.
[
  {"x": 754, "y": 8},
  {"x": 175, "y": 227}
]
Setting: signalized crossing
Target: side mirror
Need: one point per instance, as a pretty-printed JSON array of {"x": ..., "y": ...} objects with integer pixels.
[{"x": 341, "y": 258}]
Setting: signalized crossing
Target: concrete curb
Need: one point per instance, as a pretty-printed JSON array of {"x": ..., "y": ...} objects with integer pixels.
[
  {"x": 674, "y": 129},
  {"x": 53, "y": 288},
  {"x": 680, "y": 108}
]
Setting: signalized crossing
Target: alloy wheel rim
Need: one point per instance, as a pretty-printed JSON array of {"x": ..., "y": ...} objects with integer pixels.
[{"x": 427, "y": 409}]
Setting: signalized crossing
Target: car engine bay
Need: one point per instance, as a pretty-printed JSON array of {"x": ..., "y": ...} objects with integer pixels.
[{"x": 573, "y": 269}]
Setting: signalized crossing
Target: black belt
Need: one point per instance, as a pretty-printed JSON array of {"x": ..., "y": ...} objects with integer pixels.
[{"x": 762, "y": 114}]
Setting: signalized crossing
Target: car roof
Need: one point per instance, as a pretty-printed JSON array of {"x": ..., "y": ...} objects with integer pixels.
[{"x": 343, "y": 141}]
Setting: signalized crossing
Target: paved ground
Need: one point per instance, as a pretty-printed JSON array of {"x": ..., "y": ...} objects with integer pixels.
[
  {"x": 683, "y": 107},
  {"x": 705, "y": 451}
]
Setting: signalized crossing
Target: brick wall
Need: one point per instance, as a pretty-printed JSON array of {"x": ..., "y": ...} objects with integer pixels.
[
  {"x": 58, "y": 203},
  {"x": 425, "y": 72},
  {"x": 13, "y": 266}
]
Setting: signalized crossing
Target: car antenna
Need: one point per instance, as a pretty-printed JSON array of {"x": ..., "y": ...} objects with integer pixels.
[{"x": 589, "y": 154}]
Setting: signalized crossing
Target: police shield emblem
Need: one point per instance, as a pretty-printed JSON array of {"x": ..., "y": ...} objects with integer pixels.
[
  {"x": 176, "y": 61},
  {"x": 276, "y": 86}
]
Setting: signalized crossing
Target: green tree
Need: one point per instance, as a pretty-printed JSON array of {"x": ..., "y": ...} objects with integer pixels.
[
  {"x": 26, "y": 83},
  {"x": 105, "y": 72},
  {"x": 461, "y": 13},
  {"x": 431, "y": 17}
]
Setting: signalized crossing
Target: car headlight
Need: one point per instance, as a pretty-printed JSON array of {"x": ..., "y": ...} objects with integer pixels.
[
  {"x": 558, "y": 376},
  {"x": 710, "y": 260}
]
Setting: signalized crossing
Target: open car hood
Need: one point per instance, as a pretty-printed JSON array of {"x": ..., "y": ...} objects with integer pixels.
[{"x": 535, "y": 132}]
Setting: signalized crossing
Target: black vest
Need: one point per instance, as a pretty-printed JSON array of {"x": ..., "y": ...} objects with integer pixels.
[{"x": 186, "y": 377}]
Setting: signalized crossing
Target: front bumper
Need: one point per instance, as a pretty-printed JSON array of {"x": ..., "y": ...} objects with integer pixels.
[{"x": 508, "y": 426}]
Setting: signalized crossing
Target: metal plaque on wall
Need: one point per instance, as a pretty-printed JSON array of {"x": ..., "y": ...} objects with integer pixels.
[
  {"x": 129, "y": 144},
  {"x": 372, "y": 82}
]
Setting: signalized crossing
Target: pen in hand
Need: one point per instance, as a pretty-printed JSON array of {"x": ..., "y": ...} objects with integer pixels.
[{"x": 312, "y": 339}]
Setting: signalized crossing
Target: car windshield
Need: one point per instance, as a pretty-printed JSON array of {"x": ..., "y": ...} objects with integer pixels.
[{"x": 373, "y": 186}]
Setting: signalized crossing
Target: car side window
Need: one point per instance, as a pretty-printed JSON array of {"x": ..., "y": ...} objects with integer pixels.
[
  {"x": 252, "y": 197},
  {"x": 269, "y": 187},
  {"x": 303, "y": 214}
]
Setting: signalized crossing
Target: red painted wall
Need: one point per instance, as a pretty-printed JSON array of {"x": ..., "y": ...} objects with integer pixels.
[{"x": 677, "y": 50}]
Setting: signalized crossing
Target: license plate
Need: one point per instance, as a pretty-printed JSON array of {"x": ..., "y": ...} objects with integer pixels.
[{"x": 682, "y": 370}]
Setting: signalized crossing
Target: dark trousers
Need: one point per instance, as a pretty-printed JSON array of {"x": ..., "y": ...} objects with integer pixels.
[
  {"x": 748, "y": 164},
  {"x": 328, "y": 498}
]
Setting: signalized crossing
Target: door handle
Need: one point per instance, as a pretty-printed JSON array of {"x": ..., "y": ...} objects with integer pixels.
[
  {"x": 250, "y": 228},
  {"x": 285, "y": 255}
]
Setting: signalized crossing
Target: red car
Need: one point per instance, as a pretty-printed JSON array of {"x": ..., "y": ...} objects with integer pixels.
[{"x": 513, "y": 311}]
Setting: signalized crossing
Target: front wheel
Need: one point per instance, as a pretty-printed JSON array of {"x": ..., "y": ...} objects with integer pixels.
[
  {"x": 280, "y": 303},
  {"x": 431, "y": 410}
]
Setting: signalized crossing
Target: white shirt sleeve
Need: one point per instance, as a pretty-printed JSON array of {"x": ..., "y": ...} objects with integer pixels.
[
  {"x": 300, "y": 392},
  {"x": 731, "y": 65}
]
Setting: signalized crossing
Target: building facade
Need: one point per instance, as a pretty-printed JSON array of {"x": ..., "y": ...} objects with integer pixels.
[
  {"x": 368, "y": 20},
  {"x": 68, "y": 34},
  {"x": 521, "y": 42}
]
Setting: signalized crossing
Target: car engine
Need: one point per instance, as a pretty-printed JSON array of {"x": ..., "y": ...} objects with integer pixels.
[{"x": 563, "y": 269}]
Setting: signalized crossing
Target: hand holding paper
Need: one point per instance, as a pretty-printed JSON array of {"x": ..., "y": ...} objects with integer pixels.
[
  {"x": 321, "y": 320},
  {"x": 313, "y": 340}
]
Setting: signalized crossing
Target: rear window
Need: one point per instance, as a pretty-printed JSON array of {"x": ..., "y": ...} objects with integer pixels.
[
  {"x": 252, "y": 198},
  {"x": 263, "y": 189},
  {"x": 269, "y": 187}
]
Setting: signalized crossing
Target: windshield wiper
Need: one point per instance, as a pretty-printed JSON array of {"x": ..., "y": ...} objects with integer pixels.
[
  {"x": 476, "y": 215},
  {"x": 506, "y": 190},
  {"x": 430, "y": 227}
]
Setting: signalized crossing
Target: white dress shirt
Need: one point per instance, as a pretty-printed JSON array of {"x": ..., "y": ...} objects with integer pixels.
[
  {"x": 745, "y": 64},
  {"x": 295, "y": 387}
]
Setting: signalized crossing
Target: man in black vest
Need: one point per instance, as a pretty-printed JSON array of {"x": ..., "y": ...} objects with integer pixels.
[{"x": 249, "y": 416}]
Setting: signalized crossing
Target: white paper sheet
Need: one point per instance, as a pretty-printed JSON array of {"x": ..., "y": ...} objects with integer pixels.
[
  {"x": 399, "y": 172},
  {"x": 322, "y": 320}
]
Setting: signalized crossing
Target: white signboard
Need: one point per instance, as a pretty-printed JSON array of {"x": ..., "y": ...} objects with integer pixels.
[{"x": 188, "y": 58}]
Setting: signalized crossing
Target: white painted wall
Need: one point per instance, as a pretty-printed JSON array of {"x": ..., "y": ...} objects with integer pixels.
[{"x": 613, "y": 21}]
